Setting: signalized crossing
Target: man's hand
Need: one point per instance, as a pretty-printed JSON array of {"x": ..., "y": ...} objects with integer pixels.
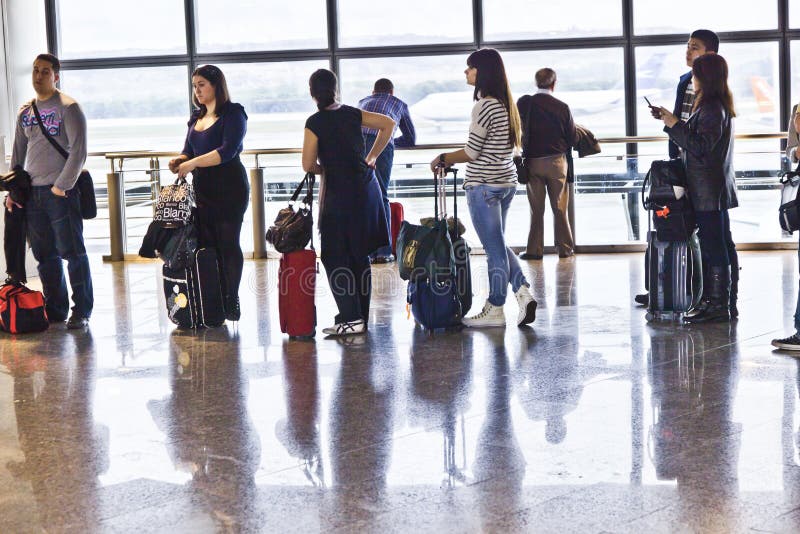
[
  {"x": 58, "y": 191},
  {"x": 10, "y": 204}
]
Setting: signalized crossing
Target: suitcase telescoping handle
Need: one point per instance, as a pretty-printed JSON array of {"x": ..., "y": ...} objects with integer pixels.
[{"x": 439, "y": 180}]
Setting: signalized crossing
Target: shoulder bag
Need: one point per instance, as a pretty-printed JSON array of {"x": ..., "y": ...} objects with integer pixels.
[
  {"x": 789, "y": 209},
  {"x": 174, "y": 204},
  {"x": 293, "y": 229},
  {"x": 84, "y": 186}
]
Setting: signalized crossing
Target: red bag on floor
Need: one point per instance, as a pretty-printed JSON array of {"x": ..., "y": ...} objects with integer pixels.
[
  {"x": 397, "y": 218},
  {"x": 297, "y": 280},
  {"x": 22, "y": 310}
]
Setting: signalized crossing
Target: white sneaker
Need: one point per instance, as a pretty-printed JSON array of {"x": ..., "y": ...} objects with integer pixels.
[
  {"x": 490, "y": 315},
  {"x": 527, "y": 306},
  {"x": 346, "y": 329}
]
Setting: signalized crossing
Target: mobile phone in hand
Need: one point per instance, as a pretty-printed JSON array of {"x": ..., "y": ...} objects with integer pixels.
[{"x": 648, "y": 102}]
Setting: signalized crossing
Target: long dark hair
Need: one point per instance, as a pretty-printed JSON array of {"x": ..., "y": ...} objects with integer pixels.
[
  {"x": 322, "y": 85},
  {"x": 491, "y": 81},
  {"x": 217, "y": 80},
  {"x": 711, "y": 70}
]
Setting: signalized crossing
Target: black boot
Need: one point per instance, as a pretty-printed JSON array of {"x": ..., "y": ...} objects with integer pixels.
[
  {"x": 714, "y": 306},
  {"x": 734, "y": 311},
  {"x": 703, "y": 302},
  {"x": 232, "y": 311}
]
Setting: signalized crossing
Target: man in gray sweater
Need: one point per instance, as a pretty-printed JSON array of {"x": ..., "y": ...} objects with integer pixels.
[{"x": 55, "y": 226}]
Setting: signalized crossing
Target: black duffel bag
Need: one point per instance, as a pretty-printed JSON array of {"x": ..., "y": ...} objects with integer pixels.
[
  {"x": 292, "y": 228},
  {"x": 674, "y": 220},
  {"x": 664, "y": 182}
]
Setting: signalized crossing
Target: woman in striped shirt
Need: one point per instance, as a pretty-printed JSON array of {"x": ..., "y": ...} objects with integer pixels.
[{"x": 491, "y": 183}]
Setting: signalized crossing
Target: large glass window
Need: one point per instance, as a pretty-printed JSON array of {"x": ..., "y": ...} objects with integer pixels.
[
  {"x": 362, "y": 23},
  {"x": 590, "y": 81},
  {"x": 753, "y": 79},
  {"x": 794, "y": 13},
  {"x": 276, "y": 99},
  {"x": 434, "y": 87},
  {"x": 506, "y": 20},
  {"x": 682, "y": 16},
  {"x": 132, "y": 109},
  {"x": 98, "y": 28},
  {"x": 795, "y": 72},
  {"x": 248, "y": 25}
]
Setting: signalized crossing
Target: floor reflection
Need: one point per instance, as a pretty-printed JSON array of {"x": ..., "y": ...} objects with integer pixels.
[
  {"x": 64, "y": 450},
  {"x": 208, "y": 429},
  {"x": 590, "y": 420}
]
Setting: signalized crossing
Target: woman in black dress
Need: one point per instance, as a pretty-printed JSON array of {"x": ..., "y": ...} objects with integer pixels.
[
  {"x": 211, "y": 154},
  {"x": 352, "y": 223}
]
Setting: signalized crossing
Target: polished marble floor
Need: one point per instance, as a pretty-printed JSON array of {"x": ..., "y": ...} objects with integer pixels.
[{"x": 590, "y": 421}]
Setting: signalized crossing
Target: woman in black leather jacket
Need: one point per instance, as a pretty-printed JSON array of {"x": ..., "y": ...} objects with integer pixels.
[{"x": 706, "y": 140}]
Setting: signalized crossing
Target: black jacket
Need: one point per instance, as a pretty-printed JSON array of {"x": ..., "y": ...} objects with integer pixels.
[{"x": 707, "y": 143}]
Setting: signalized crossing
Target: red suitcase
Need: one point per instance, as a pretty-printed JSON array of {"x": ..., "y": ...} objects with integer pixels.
[
  {"x": 296, "y": 288},
  {"x": 397, "y": 218}
]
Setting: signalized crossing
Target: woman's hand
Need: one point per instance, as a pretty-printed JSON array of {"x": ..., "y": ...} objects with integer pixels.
[
  {"x": 435, "y": 162},
  {"x": 185, "y": 168},
  {"x": 371, "y": 161},
  {"x": 10, "y": 204},
  {"x": 58, "y": 191},
  {"x": 175, "y": 163},
  {"x": 669, "y": 119}
]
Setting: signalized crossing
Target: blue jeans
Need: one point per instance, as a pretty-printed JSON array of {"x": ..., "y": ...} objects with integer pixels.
[
  {"x": 55, "y": 231},
  {"x": 383, "y": 172},
  {"x": 488, "y": 207}
]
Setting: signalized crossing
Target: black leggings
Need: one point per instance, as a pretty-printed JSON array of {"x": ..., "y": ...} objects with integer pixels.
[
  {"x": 224, "y": 236},
  {"x": 716, "y": 242}
]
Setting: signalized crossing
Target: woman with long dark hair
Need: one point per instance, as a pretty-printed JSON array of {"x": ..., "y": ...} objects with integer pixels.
[
  {"x": 211, "y": 154},
  {"x": 707, "y": 142},
  {"x": 491, "y": 183},
  {"x": 352, "y": 223}
]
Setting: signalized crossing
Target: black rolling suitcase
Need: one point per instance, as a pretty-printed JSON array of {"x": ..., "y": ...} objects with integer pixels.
[
  {"x": 206, "y": 286},
  {"x": 461, "y": 252},
  {"x": 672, "y": 273},
  {"x": 194, "y": 295},
  {"x": 673, "y": 268}
]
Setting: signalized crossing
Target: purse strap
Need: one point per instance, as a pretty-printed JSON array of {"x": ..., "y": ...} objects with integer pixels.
[{"x": 53, "y": 142}]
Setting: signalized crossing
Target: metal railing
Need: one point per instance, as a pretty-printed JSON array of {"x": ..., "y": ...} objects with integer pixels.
[{"x": 121, "y": 196}]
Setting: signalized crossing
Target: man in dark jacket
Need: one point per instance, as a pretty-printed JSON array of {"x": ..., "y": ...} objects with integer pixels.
[
  {"x": 700, "y": 42},
  {"x": 548, "y": 133}
]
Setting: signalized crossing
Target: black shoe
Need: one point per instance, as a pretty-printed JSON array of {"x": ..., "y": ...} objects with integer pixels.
[
  {"x": 712, "y": 312},
  {"x": 54, "y": 317},
  {"x": 76, "y": 322},
  {"x": 642, "y": 299},
  {"x": 232, "y": 310},
  {"x": 526, "y": 256},
  {"x": 565, "y": 254},
  {"x": 788, "y": 343}
]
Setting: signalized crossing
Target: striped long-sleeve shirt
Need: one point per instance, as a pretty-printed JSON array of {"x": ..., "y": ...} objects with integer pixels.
[{"x": 489, "y": 147}]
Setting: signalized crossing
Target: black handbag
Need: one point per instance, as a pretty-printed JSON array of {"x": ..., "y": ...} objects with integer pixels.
[
  {"x": 293, "y": 228},
  {"x": 18, "y": 184},
  {"x": 84, "y": 185},
  {"x": 789, "y": 210},
  {"x": 664, "y": 182}
]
